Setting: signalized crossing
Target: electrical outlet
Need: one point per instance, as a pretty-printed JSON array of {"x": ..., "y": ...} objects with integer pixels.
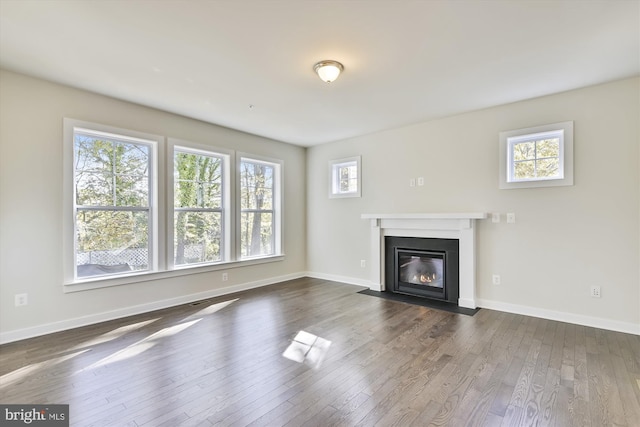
[
  {"x": 225, "y": 277},
  {"x": 496, "y": 279},
  {"x": 21, "y": 299},
  {"x": 363, "y": 263},
  {"x": 595, "y": 291},
  {"x": 420, "y": 181},
  {"x": 511, "y": 218},
  {"x": 495, "y": 218}
]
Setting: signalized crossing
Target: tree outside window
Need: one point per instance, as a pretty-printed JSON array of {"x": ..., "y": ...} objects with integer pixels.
[
  {"x": 540, "y": 156},
  {"x": 198, "y": 207},
  {"x": 257, "y": 202},
  {"x": 112, "y": 204},
  {"x": 344, "y": 177}
]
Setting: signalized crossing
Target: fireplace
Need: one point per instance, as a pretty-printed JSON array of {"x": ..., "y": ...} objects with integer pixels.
[
  {"x": 423, "y": 267},
  {"x": 458, "y": 226}
]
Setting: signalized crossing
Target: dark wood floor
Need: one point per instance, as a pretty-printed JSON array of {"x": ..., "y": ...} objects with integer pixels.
[{"x": 389, "y": 363}]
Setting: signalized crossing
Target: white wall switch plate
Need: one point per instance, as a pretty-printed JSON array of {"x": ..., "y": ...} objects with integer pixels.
[
  {"x": 511, "y": 218},
  {"x": 421, "y": 181},
  {"x": 495, "y": 218}
]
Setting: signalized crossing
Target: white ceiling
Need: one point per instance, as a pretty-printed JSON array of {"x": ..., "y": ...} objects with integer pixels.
[{"x": 405, "y": 61}]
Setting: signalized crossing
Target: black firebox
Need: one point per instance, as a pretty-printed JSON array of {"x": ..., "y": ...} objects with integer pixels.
[{"x": 423, "y": 267}]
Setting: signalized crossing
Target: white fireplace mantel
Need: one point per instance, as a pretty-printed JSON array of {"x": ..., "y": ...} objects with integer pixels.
[{"x": 459, "y": 226}]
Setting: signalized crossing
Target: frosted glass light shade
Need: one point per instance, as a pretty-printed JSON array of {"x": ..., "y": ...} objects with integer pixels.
[{"x": 328, "y": 71}]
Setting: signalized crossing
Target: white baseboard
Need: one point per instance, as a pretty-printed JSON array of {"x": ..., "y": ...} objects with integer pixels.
[
  {"x": 21, "y": 334},
  {"x": 342, "y": 279},
  {"x": 578, "y": 319}
]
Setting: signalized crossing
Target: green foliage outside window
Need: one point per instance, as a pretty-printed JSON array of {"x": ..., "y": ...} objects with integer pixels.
[
  {"x": 198, "y": 208},
  {"x": 536, "y": 159},
  {"x": 112, "y": 201},
  {"x": 256, "y": 203}
]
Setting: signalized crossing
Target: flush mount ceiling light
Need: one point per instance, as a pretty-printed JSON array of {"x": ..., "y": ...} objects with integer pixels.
[{"x": 328, "y": 71}]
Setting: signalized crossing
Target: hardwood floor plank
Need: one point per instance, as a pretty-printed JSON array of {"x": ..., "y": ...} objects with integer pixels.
[{"x": 220, "y": 362}]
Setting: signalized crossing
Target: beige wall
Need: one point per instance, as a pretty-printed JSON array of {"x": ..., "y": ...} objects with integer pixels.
[
  {"x": 31, "y": 116},
  {"x": 565, "y": 240}
]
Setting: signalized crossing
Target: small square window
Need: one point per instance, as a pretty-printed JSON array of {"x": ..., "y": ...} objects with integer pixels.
[
  {"x": 537, "y": 157},
  {"x": 344, "y": 177}
]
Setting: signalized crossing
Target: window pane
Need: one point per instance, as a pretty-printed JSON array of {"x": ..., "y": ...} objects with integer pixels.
[
  {"x": 524, "y": 151},
  {"x": 210, "y": 195},
  {"x": 256, "y": 233},
  {"x": 524, "y": 170},
  {"x": 111, "y": 241},
  {"x": 548, "y": 148},
  {"x": 94, "y": 189},
  {"x": 132, "y": 159},
  {"x": 132, "y": 190},
  {"x": 547, "y": 168},
  {"x": 198, "y": 180},
  {"x": 197, "y": 237},
  {"x": 257, "y": 184},
  {"x": 110, "y": 172},
  {"x": 347, "y": 178},
  {"x": 93, "y": 154}
]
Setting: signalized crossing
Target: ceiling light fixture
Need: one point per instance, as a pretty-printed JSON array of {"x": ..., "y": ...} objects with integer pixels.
[{"x": 328, "y": 71}]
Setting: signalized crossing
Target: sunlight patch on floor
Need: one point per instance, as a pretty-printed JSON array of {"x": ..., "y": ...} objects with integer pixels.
[
  {"x": 116, "y": 333},
  {"x": 308, "y": 349},
  {"x": 21, "y": 373},
  {"x": 140, "y": 346}
]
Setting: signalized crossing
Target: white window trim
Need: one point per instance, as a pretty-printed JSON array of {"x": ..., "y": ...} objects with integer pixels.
[
  {"x": 333, "y": 165},
  {"x": 278, "y": 203},
  {"x": 508, "y": 138},
  {"x": 162, "y": 209},
  {"x": 156, "y": 199},
  {"x": 228, "y": 188}
]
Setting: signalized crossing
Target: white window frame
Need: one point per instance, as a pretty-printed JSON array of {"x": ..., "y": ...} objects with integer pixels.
[
  {"x": 334, "y": 177},
  {"x": 278, "y": 166},
  {"x": 156, "y": 259},
  {"x": 227, "y": 205},
  {"x": 563, "y": 131},
  {"x": 161, "y": 237}
]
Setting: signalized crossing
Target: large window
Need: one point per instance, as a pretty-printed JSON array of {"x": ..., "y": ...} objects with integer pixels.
[
  {"x": 126, "y": 219},
  {"x": 113, "y": 203},
  {"x": 537, "y": 157},
  {"x": 259, "y": 207},
  {"x": 200, "y": 205}
]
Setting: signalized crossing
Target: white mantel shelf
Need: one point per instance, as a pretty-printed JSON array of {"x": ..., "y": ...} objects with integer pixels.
[
  {"x": 472, "y": 215},
  {"x": 459, "y": 226}
]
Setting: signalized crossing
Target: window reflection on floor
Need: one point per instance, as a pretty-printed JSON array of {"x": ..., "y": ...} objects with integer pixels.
[{"x": 308, "y": 349}]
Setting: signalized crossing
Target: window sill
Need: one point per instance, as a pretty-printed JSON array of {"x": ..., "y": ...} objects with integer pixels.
[{"x": 105, "y": 282}]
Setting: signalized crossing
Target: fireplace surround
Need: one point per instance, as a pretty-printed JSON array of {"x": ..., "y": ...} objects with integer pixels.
[{"x": 459, "y": 226}]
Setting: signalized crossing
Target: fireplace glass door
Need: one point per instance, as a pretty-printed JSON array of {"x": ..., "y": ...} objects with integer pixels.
[{"x": 420, "y": 272}]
